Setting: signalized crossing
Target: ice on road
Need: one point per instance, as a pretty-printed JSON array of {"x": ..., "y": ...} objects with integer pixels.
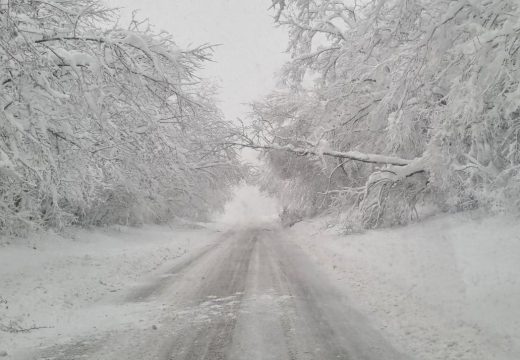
[{"x": 252, "y": 295}]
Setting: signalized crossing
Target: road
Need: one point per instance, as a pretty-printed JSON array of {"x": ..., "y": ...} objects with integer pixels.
[{"x": 253, "y": 295}]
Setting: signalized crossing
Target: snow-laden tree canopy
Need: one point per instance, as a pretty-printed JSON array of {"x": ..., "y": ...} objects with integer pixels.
[
  {"x": 389, "y": 101},
  {"x": 102, "y": 124}
]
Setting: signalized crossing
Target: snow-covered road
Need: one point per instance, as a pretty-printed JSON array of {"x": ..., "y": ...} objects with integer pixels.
[{"x": 252, "y": 295}]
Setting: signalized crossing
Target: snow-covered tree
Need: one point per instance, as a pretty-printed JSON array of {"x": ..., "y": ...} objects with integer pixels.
[
  {"x": 389, "y": 101},
  {"x": 103, "y": 124}
]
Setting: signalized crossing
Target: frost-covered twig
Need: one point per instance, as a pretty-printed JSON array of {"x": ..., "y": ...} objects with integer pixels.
[{"x": 14, "y": 328}]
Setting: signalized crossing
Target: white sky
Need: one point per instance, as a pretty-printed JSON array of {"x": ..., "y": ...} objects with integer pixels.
[{"x": 252, "y": 47}]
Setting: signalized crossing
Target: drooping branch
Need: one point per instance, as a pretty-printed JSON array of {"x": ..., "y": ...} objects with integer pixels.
[{"x": 352, "y": 155}]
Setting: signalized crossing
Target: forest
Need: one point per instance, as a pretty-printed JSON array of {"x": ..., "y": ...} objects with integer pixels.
[
  {"x": 394, "y": 107},
  {"x": 260, "y": 179},
  {"x": 102, "y": 124},
  {"x": 386, "y": 110}
]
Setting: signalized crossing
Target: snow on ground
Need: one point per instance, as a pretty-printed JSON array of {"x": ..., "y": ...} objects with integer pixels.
[
  {"x": 67, "y": 285},
  {"x": 446, "y": 288}
]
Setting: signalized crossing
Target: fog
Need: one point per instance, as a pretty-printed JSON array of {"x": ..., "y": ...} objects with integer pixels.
[{"x": 249, "y": 206}]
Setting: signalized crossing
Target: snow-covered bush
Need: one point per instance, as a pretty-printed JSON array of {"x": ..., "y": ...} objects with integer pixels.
[
  {"x": 101, "y": 124},
  {"x": 423, "y": 93}
]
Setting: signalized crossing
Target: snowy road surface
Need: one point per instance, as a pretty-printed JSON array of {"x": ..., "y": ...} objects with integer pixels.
[{"x": 252, "y": 295}]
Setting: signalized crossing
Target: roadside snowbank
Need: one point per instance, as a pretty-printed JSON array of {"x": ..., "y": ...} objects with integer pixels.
[
  {"x": 55, "y": 287},
  {"x": 446, "y": 288}
]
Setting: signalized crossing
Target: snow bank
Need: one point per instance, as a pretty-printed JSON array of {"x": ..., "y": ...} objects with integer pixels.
[
  {"x": 447, "y": 288},
  {"x": 55, "y": 287}
]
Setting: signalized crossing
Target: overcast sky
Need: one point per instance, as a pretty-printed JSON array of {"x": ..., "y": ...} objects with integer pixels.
[{"x": 252, "y": 48}]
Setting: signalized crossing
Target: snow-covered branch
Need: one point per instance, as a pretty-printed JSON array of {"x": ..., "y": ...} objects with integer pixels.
[{"x": 352, "y": 155}]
